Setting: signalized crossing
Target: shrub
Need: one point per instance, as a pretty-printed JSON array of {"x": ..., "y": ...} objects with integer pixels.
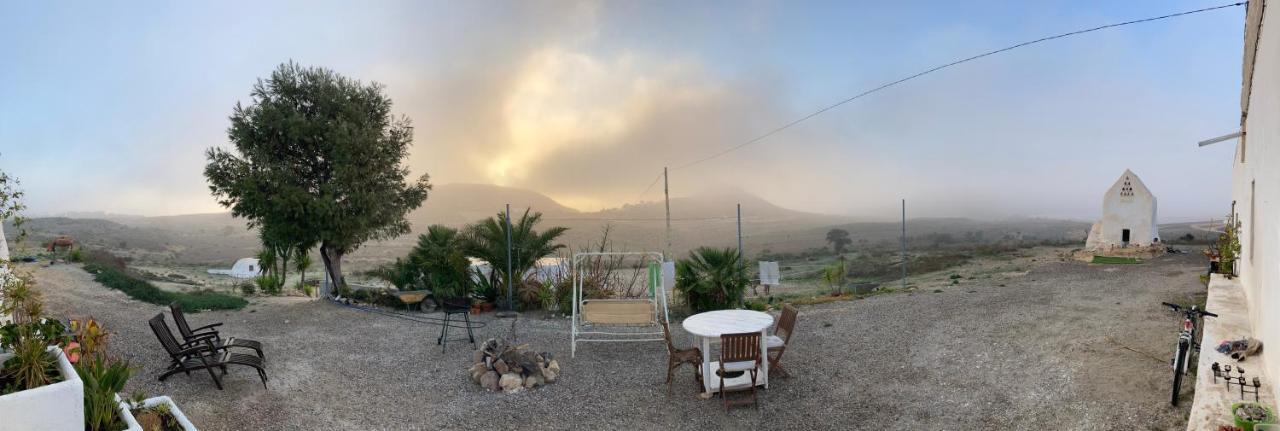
[
  {"x": 144, "y": 291},
  {"x": 757, "y": 305},
  {"x": 269, "y": 284},
  {"x": 247, "y": 288},
  {"x": 711, "y": 279},
  {"x": 76, "y": 255}
]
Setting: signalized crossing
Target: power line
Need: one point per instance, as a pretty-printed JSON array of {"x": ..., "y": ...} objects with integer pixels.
[{"x": 935, "y": 69}]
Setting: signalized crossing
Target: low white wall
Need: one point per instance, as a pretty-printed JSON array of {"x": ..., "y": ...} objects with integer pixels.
[{"x": 56, "y": 407}]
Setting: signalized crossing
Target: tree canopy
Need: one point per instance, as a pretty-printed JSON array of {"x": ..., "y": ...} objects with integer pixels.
[
  {"x": 839, "y": 239},
  {"x": 317, "y": 159},
  {"x": 487, "y": 239}
]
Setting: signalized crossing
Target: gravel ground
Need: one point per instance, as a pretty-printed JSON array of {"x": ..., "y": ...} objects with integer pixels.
[{"x": 1068, "y": 345}]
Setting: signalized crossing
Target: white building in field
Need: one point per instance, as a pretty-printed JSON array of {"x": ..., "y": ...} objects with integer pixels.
[
  {"x": 1128, "y": 216},
  {"x": 4, "y": 244},
  {"x": 244, "y": 268}
]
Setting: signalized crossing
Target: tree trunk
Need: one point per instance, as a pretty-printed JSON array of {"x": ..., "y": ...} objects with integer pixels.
[{"x": 333, "y": 266}]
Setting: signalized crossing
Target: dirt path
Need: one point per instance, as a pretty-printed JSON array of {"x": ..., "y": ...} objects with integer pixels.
[{"x": 1044, "y": 351}]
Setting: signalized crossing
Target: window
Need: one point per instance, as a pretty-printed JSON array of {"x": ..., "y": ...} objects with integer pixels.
[{"x": 1127, "y": 188}]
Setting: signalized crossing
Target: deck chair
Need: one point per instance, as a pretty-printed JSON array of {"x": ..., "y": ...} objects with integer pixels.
[
  {"x": 200, "y": 354},
  {"x": 739, "y": 352},
  {"x": 777, "y": 343},
  {"x": 618, "y": 320},
  {"x": 209, "y": 332}
]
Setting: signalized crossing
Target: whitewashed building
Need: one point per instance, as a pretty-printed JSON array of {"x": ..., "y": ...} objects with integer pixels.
[
  {"x": 1128, "y": 216},
  {"x": 244, "y": 268},
  {"x": 1256, "y": 179}
]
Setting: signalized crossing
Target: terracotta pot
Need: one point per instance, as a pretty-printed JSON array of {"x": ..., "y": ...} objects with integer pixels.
[
  {"x": 488, "y": 306},
  {"x": 475, "y": 310}
]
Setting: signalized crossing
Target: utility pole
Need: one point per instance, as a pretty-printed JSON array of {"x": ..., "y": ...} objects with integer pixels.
[
  {"x": 740, "y": 256},
  {"x": 510, "y": 306},
  {"x": 904, "y": 243},
  {"x": 666, "y": 197}
]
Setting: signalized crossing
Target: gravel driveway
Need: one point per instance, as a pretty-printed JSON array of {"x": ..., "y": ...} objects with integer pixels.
[{"x": 1043, "y": 351}]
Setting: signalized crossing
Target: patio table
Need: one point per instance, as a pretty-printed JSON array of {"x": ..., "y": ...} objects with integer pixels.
[{"x": 709, "y": 326}]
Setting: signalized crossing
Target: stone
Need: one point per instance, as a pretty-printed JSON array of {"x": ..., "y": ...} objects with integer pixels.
[
  {"x": 501, "y": 367},
  {"x": 490, "y": 381},
  {"x": 554, "y": 366},
  {"x": 530, "y": 382},
  {"x": 511, "y": 382},
  {"x": 549, "y": 376},
  {"x": 478, "y": 357},
  {"x": 476, "y": 371}
]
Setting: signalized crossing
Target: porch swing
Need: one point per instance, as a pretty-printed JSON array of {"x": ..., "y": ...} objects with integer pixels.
[{"x": 622, "y": 319}]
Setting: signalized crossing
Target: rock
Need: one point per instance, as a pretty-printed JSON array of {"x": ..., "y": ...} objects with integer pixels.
[
  {"x": 530, "y": 382},
  {"x": 477, "y": 357},
  {"x": 511, "y": 382},
  {"x": 476, "y": 371},
  {"x": 554, "y": 366},
  {"x": 549, "y": 376},
  {"x": 501, "y": 367},
  {"x": 489, "y": 381}
]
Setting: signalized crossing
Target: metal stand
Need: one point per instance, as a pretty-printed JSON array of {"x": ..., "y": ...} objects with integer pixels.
[{"x": 444, "y": 329}]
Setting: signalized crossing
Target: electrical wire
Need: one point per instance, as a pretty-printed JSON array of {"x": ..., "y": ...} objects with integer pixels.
[{"x": 934, "y": 69}]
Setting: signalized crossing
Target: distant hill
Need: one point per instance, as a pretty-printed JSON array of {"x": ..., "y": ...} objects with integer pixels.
[{"x": 708, "y": 219}]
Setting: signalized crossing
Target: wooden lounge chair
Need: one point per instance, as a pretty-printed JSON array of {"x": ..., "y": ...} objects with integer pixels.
[
  {"x": 200, "y": 354},
  {"x": 739, "y": 352},
  {"x": 777, "y": 342},
  {"x": 209, "y": 332},
  {"x": 677, "y": 357}
]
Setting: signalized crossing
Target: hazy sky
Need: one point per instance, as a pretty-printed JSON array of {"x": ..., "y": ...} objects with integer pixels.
[{"x": 109, "y": 106}]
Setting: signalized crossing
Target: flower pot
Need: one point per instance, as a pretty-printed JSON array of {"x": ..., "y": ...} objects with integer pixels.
[
  {"x": 1247, "y": 424},
  {"x": 488, "y": 306},
  {"x": 55, "y": 407},
  {"x": 132, "y": 422},
  {"x": 475, "y": 310}
]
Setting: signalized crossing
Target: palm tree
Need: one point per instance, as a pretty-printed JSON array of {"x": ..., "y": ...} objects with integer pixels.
[
  {"x": 302, "y": 263},
  {"x": 487, "y": 239},
  {"x": 440, "y": 262},
  {"x": 712, "y": 278}
]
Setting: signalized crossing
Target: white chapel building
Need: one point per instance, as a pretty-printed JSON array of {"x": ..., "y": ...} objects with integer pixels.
[{"x": 1128, "y": 216}]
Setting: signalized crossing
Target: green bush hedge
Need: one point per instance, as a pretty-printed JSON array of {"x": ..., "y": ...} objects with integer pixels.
[{"x": 144, "y": 291}]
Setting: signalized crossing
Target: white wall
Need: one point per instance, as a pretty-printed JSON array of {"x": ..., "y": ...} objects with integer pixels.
[
  {"x": 1260, "y": 213},
  {"x": 1136, "y": 212}
]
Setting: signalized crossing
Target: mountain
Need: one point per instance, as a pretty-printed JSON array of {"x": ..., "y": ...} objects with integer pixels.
[{"x": 461, "y": 203}]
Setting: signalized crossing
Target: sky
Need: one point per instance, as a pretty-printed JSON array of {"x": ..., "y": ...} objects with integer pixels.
[{"x": 110, "y": 106}]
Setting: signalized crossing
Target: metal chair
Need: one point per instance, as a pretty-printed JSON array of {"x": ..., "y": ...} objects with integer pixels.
[{"x": 740, "y": 352}]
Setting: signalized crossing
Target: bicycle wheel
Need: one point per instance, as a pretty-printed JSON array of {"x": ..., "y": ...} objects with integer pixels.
[{"x": 1179, "y": 362}]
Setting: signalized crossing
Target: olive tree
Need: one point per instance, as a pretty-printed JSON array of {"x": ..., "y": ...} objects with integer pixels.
[{"x": 317, "y": 158}]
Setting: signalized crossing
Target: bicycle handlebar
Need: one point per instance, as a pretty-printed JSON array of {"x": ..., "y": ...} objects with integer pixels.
[{"x": 1180, "y": 308}]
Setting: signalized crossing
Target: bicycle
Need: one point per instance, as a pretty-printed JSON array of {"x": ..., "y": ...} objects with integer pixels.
[{"x": 1187, "y": 340}]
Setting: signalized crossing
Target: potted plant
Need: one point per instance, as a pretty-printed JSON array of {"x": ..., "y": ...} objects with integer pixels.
[
  {"x": 1249, "y": 414},
  {"x": 39, "y": 389},
  {"x": 154, "y": 414},
  {"x": 103, "y": 377}
]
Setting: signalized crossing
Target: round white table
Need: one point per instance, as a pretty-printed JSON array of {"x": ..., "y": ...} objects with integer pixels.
[{"x": 709, "y": 326}]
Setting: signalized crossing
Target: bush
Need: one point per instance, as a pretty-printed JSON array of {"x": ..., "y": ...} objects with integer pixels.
[
  {"x": 711, "y": 279},
  {"x": 270, "y": 284},
  {"x": 247, "y": 288},
  {"x": 76, "y": 255},
  {"x": 757, "y": 305},
  {"x": 144, "y": 291}
]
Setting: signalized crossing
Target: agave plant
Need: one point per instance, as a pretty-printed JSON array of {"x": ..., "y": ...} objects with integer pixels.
[{"x": 711, "y": 278}]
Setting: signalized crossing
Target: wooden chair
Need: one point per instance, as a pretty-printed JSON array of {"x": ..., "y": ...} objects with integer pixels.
[
  {"x": 199, "y": 354},
  {"x": 209, "y": 332},
  {"x": 777, "y": 342},
  {"x": 739, "y": 352},
  {"x": 677, "y": 357}
]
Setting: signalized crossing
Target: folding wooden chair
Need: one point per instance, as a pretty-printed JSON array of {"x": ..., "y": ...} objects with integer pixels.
[{"x": 739, "y": 352}]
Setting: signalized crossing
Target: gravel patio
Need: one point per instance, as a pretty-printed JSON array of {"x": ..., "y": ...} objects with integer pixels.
[{"x": 1069, "y": 345}]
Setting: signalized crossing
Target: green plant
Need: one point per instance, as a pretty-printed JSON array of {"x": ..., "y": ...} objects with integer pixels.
[
  {"x": 400, "y": 274},
  {"x": 1247, "y": 415},
  {"x": 269, "y": 284},
  {"x": 142, "y": 290},
  {"x": 711, "y": 279},
  {"x": 31, "y": 366},
  {"x": 247, "y": 288},
  {"x": 75, "y": 255},
  {"x": 1229, "y": 247},
  {"x": 103, "y": 376},
  {"x": 1116, "y": 260},
  {"x": 439, "y": 260},
  {"x": 318, "y": 158},
  {"x": 547, "y": 296},
  {"x": 487, "y": 239},
  {"x": 757, "y": 305},
  {"x": 834, "y": 275}
]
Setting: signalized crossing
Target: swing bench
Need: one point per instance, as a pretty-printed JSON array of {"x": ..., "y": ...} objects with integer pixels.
[{"x": 619, "y": 320}]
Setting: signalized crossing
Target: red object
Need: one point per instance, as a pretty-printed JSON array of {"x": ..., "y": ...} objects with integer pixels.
[
  {"x": 488, "y": 306},
  {"x": 475, "y": 310},
  {"x": 73, "y": 352}
]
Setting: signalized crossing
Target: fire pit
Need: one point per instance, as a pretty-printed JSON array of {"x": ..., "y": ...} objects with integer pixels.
[{"x": 497, "y": 365}]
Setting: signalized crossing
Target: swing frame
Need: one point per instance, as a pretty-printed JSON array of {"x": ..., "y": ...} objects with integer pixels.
[{"x": 592, "y": 318}]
